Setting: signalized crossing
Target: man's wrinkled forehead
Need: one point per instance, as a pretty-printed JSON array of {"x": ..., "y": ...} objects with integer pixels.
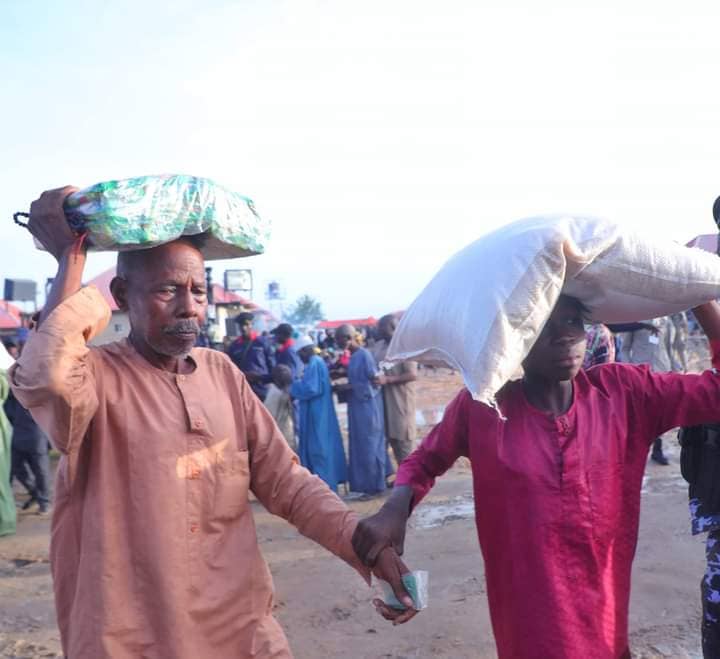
[{"x": 169, "y": 262}]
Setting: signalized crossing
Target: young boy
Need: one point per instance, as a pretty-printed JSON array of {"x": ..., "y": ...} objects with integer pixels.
[
  {"x": 556, "y": 479},
  {"x": 279, "y": 403}
]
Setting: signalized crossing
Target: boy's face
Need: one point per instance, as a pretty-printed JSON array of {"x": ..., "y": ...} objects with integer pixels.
[
  {"x": 282, "y": 377},
  {"x": 559, "y": 351}
]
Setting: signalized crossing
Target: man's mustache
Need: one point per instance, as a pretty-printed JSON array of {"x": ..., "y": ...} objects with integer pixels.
[{"x": 183, "y": 327}]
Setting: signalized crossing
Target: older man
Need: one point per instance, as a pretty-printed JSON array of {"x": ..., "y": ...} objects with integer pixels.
[
  {"x": 154, "y": 552},
  {"x": 398, "y": 388}
]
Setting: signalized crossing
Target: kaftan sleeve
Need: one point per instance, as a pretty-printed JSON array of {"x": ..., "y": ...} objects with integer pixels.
[
  {"x": 8, "y": 402},
  {"x": 289, "y": 490},
  {"x": 311, "y": 384},
  {"x": 438, "y": 452},
  {"x": 363, "y": 386},
  {"x": 409, "y": 367},
  {"x": 54, "y": 378},
  {"x": 663, "y": 401},
  {"x": 370, "y": 365},
  {"x": 4, "y": 392}
]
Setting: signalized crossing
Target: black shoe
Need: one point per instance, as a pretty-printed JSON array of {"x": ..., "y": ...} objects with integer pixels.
[
  {"x": 659, "y": 458},
  {"x": 29, "y": 503}
]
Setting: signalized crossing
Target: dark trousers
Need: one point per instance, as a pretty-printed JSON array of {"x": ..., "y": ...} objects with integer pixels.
[
  {"x": 710, "y": 590},
  {"x": 32, "y": 470}
]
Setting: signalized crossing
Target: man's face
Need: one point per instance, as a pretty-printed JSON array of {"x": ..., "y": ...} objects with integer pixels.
[
  {"x": 560, "y": 349},
  {"x": 281, "y": 337},
  {"x": 387, "y": 328},
  {"x": 342, "y": 339},
  {"x": 306, "y": 353},
  {"x": 167, "y": 300},
  {"x": 246, "y": 328}
]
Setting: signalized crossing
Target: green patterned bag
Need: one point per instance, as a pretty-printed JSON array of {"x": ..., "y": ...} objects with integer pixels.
[{"x": 146, "y": 211}]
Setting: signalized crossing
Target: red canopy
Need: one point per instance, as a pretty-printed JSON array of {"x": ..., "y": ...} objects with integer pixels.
[{"x": 9, "y": 316}]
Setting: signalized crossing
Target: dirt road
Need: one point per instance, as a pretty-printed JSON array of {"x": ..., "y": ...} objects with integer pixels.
[{"x": 325, "y": 608}]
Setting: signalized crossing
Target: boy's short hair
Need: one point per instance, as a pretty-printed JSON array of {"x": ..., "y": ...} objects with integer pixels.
[{"x": 282, "y": 376}]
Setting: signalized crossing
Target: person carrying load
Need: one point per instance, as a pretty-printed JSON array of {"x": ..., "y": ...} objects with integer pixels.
[
  {"x": 557, "y": 455},
  {"x": 154, "y": 551}
]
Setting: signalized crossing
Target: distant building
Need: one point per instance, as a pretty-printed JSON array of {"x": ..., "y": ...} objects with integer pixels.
[{"x": 119, "y": 325}]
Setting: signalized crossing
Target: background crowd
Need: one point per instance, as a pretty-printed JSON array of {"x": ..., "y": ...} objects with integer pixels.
[
  {"x": 296, "y": 377},
  {"x": 659, "y": 343},
  {"x": 299, "y": 378}
]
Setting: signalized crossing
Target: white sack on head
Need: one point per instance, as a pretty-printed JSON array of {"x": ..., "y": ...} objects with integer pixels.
[{"x": 484, "y": 309}]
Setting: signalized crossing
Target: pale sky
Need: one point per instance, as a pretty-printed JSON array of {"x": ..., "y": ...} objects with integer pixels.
[{"x": 378, "y": 137}]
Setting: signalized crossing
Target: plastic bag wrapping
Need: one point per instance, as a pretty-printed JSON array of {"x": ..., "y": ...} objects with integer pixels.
[
  {"x": 416, "y": 584},
  {"x": 147, "y": 211}
]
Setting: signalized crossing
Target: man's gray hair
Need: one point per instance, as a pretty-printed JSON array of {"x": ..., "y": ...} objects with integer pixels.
[{"x": 133, "y": 260}]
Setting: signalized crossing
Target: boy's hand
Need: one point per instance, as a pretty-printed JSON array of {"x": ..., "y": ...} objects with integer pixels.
[
  {"x": 390, "y": 568},
  {"x": 384, "y": 529}
]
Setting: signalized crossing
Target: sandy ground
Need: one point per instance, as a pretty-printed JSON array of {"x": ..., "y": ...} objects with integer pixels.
[{"x": 325, "y": 608}]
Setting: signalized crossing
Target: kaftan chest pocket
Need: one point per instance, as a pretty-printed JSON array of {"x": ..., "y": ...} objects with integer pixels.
[
  {"x": 232, "y": 482},
  {"x": 605, "y": 485}
]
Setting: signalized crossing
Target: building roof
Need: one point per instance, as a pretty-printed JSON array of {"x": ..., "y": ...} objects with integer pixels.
[
  {"x": 223, "y": 296},
  {"x": 9, "y": 316},
  {"x": 356, "y": 322}
]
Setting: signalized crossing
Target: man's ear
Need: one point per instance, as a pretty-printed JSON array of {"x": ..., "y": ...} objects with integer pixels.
[{"x": 119, "y": 290}]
